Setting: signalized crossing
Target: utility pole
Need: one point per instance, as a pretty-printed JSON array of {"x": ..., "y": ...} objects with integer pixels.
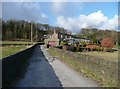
[
  {"x": 31, "y": 32},
  {"x": 36, "y": 35}
]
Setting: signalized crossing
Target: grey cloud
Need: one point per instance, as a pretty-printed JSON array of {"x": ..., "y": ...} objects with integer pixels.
[
  {"x": 0, "y": 10},
  {"x": 66, "y": 8},
  {"x": 24, "y": 10}
]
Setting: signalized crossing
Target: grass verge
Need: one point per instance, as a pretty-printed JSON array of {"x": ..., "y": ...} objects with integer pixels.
[
  {"x": 7, "y": 51},
  {"x": 15, "y": 42},
  {"x": 105, "y": 55},
  {"x": 80, "y": 67},
  {"x": 19, "y": 43}
]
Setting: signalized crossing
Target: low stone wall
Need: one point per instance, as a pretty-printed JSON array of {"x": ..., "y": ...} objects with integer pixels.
[
  {"x": 104, "y": 71},
  {"x": 14, "y": 66}
]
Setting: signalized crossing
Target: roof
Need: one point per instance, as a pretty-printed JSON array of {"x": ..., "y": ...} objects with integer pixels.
[{"x": 73, "y": 36}]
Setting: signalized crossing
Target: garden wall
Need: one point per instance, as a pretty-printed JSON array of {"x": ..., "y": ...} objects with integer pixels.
[
  {"x": 15, "y": 65},
  {"x": 104, "y": 71}
]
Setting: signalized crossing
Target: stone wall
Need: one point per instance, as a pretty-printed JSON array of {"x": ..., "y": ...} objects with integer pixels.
[{"x": 102, "y": 70}]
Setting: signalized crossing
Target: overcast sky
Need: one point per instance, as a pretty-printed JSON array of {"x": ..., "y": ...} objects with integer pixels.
[{"x": 70, "y": 15}]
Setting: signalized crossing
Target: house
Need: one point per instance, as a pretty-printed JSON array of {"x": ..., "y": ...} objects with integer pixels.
[
  {"x": 71, "y": 38},
  {"x": 53, "y": 39},
  {"x": 56, "y": 38}
]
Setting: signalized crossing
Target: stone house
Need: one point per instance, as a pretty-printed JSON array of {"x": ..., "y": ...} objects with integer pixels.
[{"x": 56, "y": 38}]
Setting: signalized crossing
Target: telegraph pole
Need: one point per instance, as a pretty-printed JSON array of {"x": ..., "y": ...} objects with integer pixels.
[
  {"x": 31, "y": 32},
  {"x": 36, "y": 35}
]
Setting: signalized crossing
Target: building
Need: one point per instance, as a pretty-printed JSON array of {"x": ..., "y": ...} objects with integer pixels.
[{"x": 56, "y": 38}]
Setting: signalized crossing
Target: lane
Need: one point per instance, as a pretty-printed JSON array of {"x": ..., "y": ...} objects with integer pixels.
[
  {"x": 39, "y": 73},
  {"x": 67, "y": 76}
]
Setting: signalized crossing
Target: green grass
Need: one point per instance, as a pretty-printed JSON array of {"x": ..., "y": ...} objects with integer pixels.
[
  {"x": 11, "y": 47},
  {"x": 105, "y": 55},
  {"x": 7, "y": 51},
  {"x": 16, "y": 42}
]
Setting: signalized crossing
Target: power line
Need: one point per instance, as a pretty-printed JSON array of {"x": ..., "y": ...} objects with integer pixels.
[{"x": 31, "y": 32}]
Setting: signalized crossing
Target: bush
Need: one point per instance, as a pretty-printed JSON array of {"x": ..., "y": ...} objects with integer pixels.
[
  {"x": 95, "y": 41},
  {"x": 64, "y": 43},
  {"x": 93, "y": 47},
  {"x": 65, "y": 47},
  {"x": 83, "y": 44},
  {"x": 71, "y": 48},
  {"x": 107, "y": 43},
  {"x": 99, "y": 49},
  {"x": 77, "y": 46}
]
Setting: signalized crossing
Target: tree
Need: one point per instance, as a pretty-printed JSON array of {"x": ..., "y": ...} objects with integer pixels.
[
  {"x": 96, "y": 41},
  {"x": 107, "y": 43},
  {"x": 21, "y": 30},
  {"x": 118, "y": 40}
]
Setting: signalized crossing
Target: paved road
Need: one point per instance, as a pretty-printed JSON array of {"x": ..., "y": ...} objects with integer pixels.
[{"x": 43, "y": 72}]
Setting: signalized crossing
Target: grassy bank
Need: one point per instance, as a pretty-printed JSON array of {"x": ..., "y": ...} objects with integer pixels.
[
  {"x": 85, "y": 68},
  {"x": 8, "y": 43},
  {"x": 7, "y": 51},
  {"x": 105, "y": 55},
  {"x": 11, "y": 47},
  {"x": 18, "y": 43}
]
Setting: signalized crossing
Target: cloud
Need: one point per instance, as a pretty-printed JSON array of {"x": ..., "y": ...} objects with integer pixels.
[
  {"x": 0, "y": 10},
  {"x": 95, "y": 20},
  {"x": 60, "y": 0},
  {"x": 67, "y": 9},
  {"x": 29, "y": 11},
  {"x": 58, "y": 7},
  {"x": 112, "y": 23},
  {"x": 33, "y": 11}
]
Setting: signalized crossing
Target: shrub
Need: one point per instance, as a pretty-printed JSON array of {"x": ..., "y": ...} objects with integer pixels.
[
  {"x": 107, "y": 43},
  {"x": 83, "y": 44},
  {"x": 65, "y": 47},
  {"x": 77, "y": 46},
  {"x": 93, "y": 47},
  {"x": 64, "y": 43},
  {"x": 71, "y": 48},
  {"x": 95, "y": 41},
  {"x": 99, "y": 49}
]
